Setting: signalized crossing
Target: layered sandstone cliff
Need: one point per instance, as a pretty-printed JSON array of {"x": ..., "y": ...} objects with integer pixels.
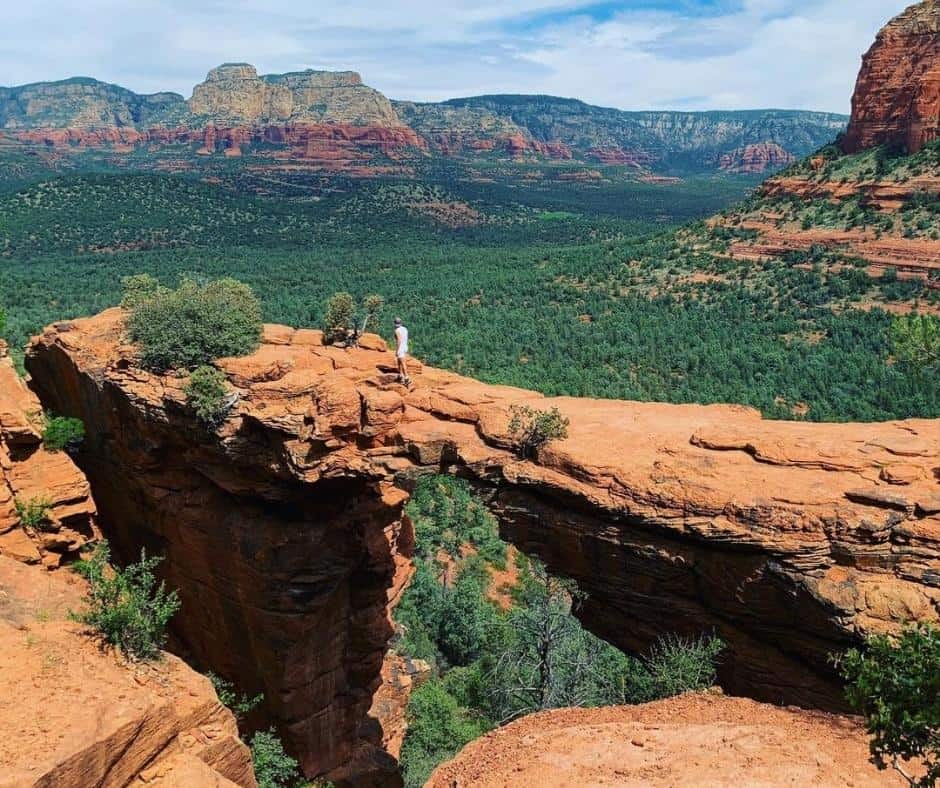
[
  {"x": 75, "y": 714},
  {"x": 234, "y": 94},
  {"x": 283, "y": 529},
  {"x": 71, "y": 712},
  {"x": 897, "y": 96},
  {"x": 756, "y": 158},
  {"x": 30, "y": 476}
]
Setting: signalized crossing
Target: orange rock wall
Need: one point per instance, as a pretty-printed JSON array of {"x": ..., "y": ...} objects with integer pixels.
[
  {"x": 897, "y": 96},
  {"x": 283, "y": 529}
]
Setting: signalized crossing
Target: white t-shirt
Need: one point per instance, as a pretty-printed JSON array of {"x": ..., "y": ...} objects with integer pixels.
[{"x": 401, "y": 334}]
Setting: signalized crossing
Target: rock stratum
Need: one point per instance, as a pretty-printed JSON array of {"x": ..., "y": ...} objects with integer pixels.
[
  {"x": 332, "y": 121},
  {"x": 73, "y": 713},
  {"x": 284, "y": 529},
  {"x": 692, "y": 740},
  {"x": 897, "y": 96}
]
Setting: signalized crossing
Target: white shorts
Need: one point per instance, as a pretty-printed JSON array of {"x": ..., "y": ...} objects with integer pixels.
[{"x": 401, "y": 354}]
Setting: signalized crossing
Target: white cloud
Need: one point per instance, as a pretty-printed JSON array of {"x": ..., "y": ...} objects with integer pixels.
[{"x": 754, "y": 53}]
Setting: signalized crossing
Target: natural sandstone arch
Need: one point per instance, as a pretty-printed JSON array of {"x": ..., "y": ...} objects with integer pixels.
[{"x": 283, "y": 530}]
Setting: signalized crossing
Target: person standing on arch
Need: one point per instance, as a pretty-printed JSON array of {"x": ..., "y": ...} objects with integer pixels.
[{"x": 401, "y": 351}]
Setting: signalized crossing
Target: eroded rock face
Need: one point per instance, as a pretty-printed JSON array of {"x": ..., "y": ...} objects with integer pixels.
[
  {"x": 757, "y": 158},
  {"x": 75, "y": 714},
  {"x": 283, "y": 529},
  {"x": 31, "y": 476},
  {"x": 234, "y": 93},
  {"x": 897, "y": 96}
]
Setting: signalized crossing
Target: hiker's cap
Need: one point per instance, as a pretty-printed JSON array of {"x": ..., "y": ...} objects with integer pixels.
[{"x": 397, "y": 321}]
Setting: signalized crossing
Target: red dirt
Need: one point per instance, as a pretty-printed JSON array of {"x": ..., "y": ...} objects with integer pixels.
[{"x": 693, "y": 740}]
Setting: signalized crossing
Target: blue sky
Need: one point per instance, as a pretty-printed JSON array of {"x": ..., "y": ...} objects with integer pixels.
[{"x": 646, "y": 54}]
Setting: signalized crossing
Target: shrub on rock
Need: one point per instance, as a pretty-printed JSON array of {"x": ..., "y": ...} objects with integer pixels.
[
  {"x": 193, "y": 324},
  {"x": 207, "y": 395},
  {"x": 127, "y": 606},
  {"x": 60, "y": 432},
  {"x": 533, "y": 428}
]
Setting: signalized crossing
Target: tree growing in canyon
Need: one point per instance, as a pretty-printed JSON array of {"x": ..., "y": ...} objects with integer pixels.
[
  {"x": 895, "y": 683},
  {"x": 61, "y": 433}
]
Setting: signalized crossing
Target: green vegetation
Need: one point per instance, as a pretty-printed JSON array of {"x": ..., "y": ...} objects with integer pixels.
[
  {"x": 207, "y": 395},
  {"x": 533, "y": 428},
  {"x": 274, "y": 768},
  {"x": 126, "y": 606},
  {"x": 604, "y": 300},
  {"x": 895, "y": 683},
  {"x": 916, "y": 340},
  {"x": 343, "y": 321},
  {"x": 62, "y": 433},
  {"x": 33, "y": 513},
  {"x": 193, "y": 324},
  {"x": 498, "y": 653},
  {"x": 241, "y": 704}
]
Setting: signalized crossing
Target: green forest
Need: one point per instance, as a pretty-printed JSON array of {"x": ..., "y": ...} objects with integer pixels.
[
  {"x": 519, "y": 277},
  {"x": 499, "y": 649}
]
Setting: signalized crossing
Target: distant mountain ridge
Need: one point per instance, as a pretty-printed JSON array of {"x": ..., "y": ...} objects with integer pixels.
[{"x": 235, "y": 108}]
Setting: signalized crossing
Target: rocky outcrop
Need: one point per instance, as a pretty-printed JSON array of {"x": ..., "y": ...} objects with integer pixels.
[
  {"x": 283, "y": 529},
  {"x": 695, "y": 739},
  {"x": 234, "y": 94},
  {"x": 75, "y": 714},
  {"x": 80, "y": 103},
  {"x": 757, "y": 158},
  {"x": 32, "y": 477},
  {"x": 897, "y": 96},
  {"x": 72, "y": 712}
]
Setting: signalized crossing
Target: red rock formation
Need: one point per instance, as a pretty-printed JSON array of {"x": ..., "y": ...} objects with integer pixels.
[
  {"x": 283, "y": 532},
  {"x": 31, "y": 474},
  {"x": 617, "y": 155},
  {"x": 74, "y": 714},
  {"x": 897, "y": 96},
  {"x": 695, "y": 739},
  {"x": 757, "y": 158}
]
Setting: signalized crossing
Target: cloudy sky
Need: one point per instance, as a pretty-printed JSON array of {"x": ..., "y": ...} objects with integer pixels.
[{"x": 636, "y": 54}]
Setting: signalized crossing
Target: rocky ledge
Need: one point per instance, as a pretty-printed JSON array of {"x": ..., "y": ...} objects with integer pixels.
[
  {"x": 283, "y": 529},
  {"x": 75, "y": 714},
  {"x": 31, "y": 476}
]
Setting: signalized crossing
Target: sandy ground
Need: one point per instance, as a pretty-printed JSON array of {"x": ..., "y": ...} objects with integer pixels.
[{"x": 701, "y": 740}]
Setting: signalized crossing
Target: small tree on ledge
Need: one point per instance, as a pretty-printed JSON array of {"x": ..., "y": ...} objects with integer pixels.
[{"x": 533, "y": 428}]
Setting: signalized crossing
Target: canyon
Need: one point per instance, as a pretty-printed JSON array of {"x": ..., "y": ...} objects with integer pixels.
[{"x": 284, "y": 528}]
